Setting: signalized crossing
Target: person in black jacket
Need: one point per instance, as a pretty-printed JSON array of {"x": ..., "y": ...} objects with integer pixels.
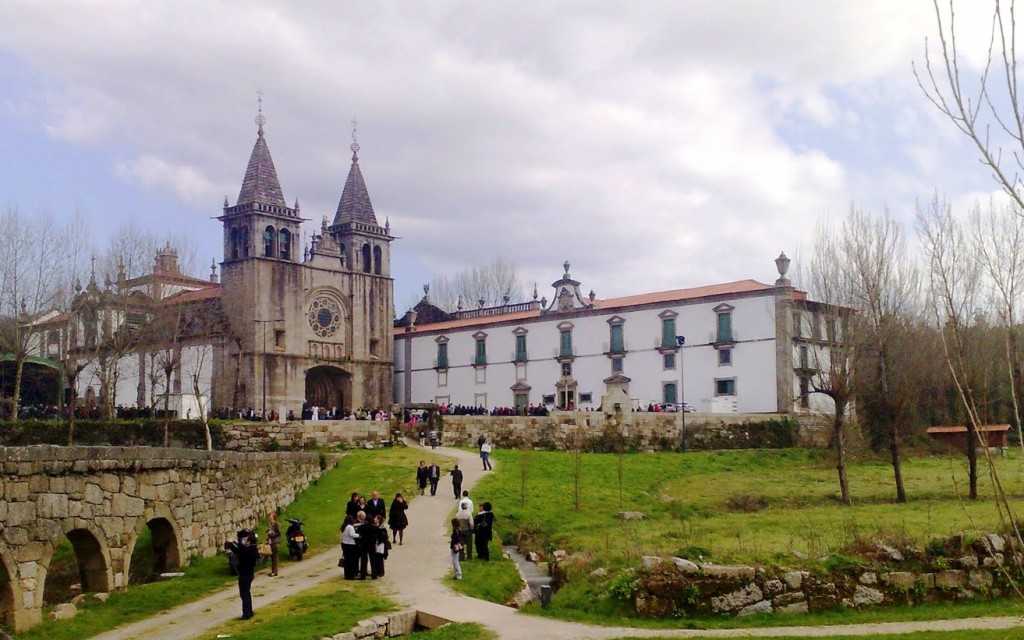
[
  {"x": 375, "y": 507},
  {"x": 352, "y": 508},
  {"x": 381, "y": 545},
  {"x": 457, "y": 481},
  {"x": 422, "y": 476},
  {"x": 367, "y": 540},
  {"x": 483, "y": 529},
  {"x": 434, "y": 474},
  {"x": 398, "y": 520},
  {"x": 248, "y": 555}
]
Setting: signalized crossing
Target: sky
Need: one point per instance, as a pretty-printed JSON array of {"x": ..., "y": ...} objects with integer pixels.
[{"x": 652, "y": 145}]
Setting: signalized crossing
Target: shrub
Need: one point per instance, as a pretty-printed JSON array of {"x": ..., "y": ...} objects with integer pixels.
[
  {"x": 746, "y": 503},
  {"x": 622, "y": 586},
  {"x": 146, "y": 432}
]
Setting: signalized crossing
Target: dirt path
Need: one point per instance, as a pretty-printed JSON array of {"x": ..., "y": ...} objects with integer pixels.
[{"x": 413, "y": 580}]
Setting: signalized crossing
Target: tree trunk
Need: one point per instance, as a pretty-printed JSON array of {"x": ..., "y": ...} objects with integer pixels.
[
  {"x": 972, "y": 459},
  {"x": 19, "y": 368},
  {"x": 70, "y": 402},
  {"x": 839, "y": 440},
  {"x": 202, "y": 413},
  {"x": 894, "y": 451},
  {"x": 167, "y": 408}
]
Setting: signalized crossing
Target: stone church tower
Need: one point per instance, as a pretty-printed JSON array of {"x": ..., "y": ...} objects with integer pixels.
[{"x": 306, "y": 326}]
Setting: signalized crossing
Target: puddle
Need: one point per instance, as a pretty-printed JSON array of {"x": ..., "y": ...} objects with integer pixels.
[{"x": 536, "y": 576}]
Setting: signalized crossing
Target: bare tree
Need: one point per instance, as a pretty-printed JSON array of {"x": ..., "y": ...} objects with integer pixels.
[
  {"x": 998, "y": 236},
  {"x": 494, "y": 283},
  {"x": 953, "y": 278},
  {"x": 986, "y": 106},
  {"x": 884, "y": 299},
  {"x": 198, "y": 363},
  {"x": 832, "y": 285},
  {"x": 29, "y": 252}
]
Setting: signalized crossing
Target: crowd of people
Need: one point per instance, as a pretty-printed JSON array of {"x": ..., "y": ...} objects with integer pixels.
[{"x": 466, "y": 410}]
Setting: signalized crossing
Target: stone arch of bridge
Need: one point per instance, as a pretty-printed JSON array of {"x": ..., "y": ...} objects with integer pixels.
[
  {"x": 91, "y": 554},
  {"x": 168, "y": 549},
  {"x": 10, "y": 588}
]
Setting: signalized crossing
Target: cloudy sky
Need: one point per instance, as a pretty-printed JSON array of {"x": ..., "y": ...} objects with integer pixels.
[{"x": 654, "y": 145}]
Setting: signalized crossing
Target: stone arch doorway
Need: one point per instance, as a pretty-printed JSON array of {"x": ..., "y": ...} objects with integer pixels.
[
  {"x": 155, "y": 551},
  {"x": 328, "y": 387}
]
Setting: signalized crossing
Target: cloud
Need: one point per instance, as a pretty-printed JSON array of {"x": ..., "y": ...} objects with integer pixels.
[{"x": 654, "y": 145}]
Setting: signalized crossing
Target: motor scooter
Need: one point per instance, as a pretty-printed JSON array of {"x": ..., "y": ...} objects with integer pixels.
[{"x": 297, "y": 546}]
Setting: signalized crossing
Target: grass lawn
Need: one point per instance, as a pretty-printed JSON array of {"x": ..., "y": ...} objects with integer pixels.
[
  {"x": 325, "y": 610},
  {"x": 730, "y": 507},
  {"x": 494, "y": 580},
  {"x": 1004, "y": 634},
  {"x": 321, "y": 507}
]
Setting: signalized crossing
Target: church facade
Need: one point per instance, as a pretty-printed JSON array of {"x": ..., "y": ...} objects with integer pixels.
[{"x": 285, "y": 327}]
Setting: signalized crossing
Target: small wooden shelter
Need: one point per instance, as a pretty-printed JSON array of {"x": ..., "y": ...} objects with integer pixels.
[{"x": 955, "y": 436}]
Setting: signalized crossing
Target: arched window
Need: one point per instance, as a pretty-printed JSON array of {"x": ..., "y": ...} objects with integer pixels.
[
  {"x": 233, "y": 241},
  {"x": 284, "y": 242},
  {"x": 376, "y": 260},
  {"x": 268, "y": 242},
  {"x": 244, "y": 237},
  {"x": 366, "y": 258}
]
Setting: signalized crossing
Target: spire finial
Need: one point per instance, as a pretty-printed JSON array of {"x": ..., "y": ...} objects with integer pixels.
[
  {"x": 355, "y": 139},
  {"x": 260, "y": 120}
]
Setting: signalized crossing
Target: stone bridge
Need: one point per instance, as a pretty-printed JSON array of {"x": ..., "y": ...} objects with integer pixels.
[{"x": 102, "y": 498}]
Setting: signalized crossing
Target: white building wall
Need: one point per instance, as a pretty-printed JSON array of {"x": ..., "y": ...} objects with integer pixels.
[{"x": 753, "y": 364}]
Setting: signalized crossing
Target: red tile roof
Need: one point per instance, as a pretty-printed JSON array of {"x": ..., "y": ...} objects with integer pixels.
[
  {"x": 213, "y": 291},
  {"x": 663, "y": 297}
]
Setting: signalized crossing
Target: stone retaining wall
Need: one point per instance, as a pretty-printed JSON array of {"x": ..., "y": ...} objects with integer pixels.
[
  {"x": 305, "y": 434},
  {"x": 638, "y": 431},
  {"x": 677, "y": 586},
  {"x": 102, "y": 498}
]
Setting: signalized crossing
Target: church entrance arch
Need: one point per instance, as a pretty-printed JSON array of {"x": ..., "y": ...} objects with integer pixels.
[{"x": 328, "y": 387}]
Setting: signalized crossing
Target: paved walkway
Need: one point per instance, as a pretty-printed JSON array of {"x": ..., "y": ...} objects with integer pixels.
[{"x": 413, "y": 580}]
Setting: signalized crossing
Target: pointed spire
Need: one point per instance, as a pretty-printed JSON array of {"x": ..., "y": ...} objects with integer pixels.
[
  {"x": 355, "y": 205},
  {"x": 260, "y": 183}
]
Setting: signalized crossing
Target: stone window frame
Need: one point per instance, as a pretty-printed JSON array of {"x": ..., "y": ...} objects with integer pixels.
[
  {"x": 479, "y": 349},
  {"x": 442, "y": 349},
  {"x": 668, "y": 342}
]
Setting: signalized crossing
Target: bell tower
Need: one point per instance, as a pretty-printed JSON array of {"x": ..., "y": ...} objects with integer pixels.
[{"x": 366, "y": 248}]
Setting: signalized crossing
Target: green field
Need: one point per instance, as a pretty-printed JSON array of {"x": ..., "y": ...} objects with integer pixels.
[{"x": 777, "y": 507}]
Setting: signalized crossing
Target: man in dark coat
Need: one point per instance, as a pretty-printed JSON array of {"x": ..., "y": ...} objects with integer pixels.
[
  {"x": 367, "y": 541},
  {"x": 457, "y": 481},
  {"x": 375, "y": 507},
  {"x": 483, "y": 529},
  {"x": 248, "y": 556},
  {"x": 434, "y": 476}
]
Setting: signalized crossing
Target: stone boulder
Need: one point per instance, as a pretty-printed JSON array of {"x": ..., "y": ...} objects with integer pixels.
[
  {"x": 64, "y": 611},
  {"x": 631, "y": 515}
]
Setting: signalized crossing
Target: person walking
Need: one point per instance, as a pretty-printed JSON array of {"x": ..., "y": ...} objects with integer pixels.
[
  {"x": 398, "y": 520},
  {"x": 248, "y": 556},
  {"x": 349, "y": 547},
  {"x": 274, "y": 538},
  {"x": 485, "y": 455},
  {"x": 455, "y": 547},
  {"x": 422, "y": 476},
  {"x": 483, "y": 528},
  {"x": 465, "y": 518},
  {"x": 435, "y": 477},
  {"x": 456, "y": 474}
]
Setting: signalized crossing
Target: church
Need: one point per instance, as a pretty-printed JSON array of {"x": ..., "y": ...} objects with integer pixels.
[{"x": 285, "y": 327}]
